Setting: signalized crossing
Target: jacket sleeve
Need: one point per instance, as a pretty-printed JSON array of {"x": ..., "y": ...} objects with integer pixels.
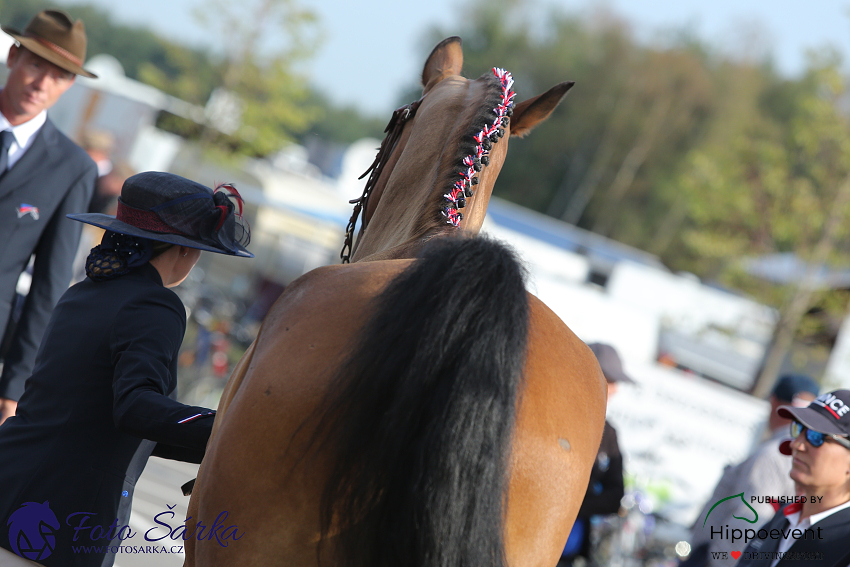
[
  {"x": 145, "y": 340},
  {"x": 164, "y": 451},
  {"x": 54, "y": 256}
]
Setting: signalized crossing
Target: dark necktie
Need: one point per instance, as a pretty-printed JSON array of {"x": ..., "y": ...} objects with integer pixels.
[{"x": 6, "y": 139}]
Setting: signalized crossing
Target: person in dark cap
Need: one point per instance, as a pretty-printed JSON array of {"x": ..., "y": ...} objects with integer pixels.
[
  {"x": 763, "y": 473},
  {"x": 606, "y": 488},
  {"x": 101, "y": 399},
  {"x": 817, "y": 528},
  {"x": 43, "y": 176}
]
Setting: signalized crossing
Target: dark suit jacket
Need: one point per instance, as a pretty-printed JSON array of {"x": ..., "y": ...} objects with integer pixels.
[
  {"x": 835, "y": 530},
  {"x": 57, "y": 177},
  {"x": 96, "y": 407}
]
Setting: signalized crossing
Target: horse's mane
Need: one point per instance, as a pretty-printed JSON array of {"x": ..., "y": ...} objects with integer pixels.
[
  {"x": 466, "y": 144},
  {"x": 443, "y": 212}
]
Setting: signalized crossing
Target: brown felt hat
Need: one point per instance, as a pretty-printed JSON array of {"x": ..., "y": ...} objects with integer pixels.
[{"x": 53, "y": 35}]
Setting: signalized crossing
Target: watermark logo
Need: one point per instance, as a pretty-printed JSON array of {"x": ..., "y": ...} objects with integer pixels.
[
  {"x": 756, "y": 538},
  {"x": 741, "y": 496},
  {"x": 32, "y": 531}
]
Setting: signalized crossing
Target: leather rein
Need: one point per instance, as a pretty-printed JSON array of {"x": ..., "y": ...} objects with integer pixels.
[{"x": 394, "y": 129}]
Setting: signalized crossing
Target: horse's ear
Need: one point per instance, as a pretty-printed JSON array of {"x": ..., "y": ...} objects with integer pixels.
[
  {"x": 529, "y": 113},
  {"x": 445, "y": 60}
]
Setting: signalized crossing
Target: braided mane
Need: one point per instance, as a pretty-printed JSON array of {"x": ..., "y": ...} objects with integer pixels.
[
  {"x": 475, "y": 152},
  {"x": 461, "y": 172}
]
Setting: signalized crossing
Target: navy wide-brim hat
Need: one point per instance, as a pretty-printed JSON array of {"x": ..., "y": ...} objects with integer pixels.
[{"x": 169, "y": 208}]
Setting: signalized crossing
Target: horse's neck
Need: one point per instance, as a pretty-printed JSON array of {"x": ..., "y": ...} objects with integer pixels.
[
  {"x": 407, "y": 208},
  {"x": 406, "y": 213},
  {"x": 400, "y": 226}
]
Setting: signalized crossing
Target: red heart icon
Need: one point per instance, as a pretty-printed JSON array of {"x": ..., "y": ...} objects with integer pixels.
[{"x": 735, "y": 554}]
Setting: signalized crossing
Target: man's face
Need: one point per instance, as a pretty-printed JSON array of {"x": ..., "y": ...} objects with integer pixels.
[{"x": 34, "y": 84}]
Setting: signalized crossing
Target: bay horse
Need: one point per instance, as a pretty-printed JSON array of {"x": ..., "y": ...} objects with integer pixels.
[{"x": 415, "y": 406}]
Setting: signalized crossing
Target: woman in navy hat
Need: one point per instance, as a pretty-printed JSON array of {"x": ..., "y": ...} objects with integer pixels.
[
  {"x": 100, "y": 400},
  {"x": 816, "y": 529}
]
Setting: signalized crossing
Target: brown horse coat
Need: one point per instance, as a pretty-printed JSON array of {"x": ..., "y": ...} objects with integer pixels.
[{"x": 254, "y": 467}]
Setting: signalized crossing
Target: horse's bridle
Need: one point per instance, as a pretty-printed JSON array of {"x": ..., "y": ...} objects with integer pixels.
[{"x": 394, "y": 129}]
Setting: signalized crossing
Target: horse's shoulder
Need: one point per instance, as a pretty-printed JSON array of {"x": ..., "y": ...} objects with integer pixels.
[
  {"x": 559, "y": 426},
  {"x": 547, "y": 326},
  {"x": 349, "y": 275},
  {"x": 556, "y": 357}
]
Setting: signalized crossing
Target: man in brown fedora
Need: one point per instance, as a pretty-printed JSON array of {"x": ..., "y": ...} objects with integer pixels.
[{"x": 43, "y": 176}]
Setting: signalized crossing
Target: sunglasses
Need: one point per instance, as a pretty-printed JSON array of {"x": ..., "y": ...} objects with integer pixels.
[{"x": 816, "y": 438}]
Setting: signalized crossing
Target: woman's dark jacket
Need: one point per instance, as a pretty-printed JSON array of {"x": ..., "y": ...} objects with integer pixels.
[
  {"x": 831, "y": 549},
  {"x": 98, "y": 404}
]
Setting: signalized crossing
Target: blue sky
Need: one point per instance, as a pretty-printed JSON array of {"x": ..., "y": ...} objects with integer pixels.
[{"x": 374, "y": 48}]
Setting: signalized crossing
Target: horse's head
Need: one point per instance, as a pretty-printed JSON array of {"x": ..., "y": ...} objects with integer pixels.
[{"x": 436, "y": 169}]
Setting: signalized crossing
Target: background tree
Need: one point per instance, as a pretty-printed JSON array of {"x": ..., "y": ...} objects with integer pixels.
[
  {"x": 632, "y": 116},
  {"x": 671, "y": 147},
  {"x": 665, "y": 145},
  {"x": 772, "y": 177},
  {"x": 264, "y": 41}
]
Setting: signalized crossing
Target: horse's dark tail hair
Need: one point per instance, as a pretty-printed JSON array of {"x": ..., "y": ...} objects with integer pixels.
[{"x": 420, "y": 422}]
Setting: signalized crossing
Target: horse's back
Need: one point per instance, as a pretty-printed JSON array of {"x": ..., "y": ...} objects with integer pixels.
[
  {"x": 255, "y": 470},
  {"x": 252, "y": 468}
]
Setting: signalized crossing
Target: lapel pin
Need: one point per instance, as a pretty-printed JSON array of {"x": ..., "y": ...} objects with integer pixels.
[{"x": 26, "y": 209}]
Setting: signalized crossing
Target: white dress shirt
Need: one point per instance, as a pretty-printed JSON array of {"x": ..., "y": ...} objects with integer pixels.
[
  {"x": 794, "y": 523},
  {"x": 24, "y": 135}
]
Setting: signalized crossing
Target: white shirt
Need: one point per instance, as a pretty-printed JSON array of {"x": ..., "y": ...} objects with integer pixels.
[
  {"x": 24, "y": 135},
  {"x": 794, "y": 523}
]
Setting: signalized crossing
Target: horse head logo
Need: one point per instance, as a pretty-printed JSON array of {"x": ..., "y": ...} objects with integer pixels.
[
  {"x": 32, "y": 531},
  {"x": 741, "y": 496}
]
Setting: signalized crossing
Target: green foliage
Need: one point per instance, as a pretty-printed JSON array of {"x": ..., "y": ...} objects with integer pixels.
[
  {"x": 764, "y": 180},
  {"x": 634, "y": 112},
  {"x": 670, "y": 147},
  {"x": 181, "y": 72},
  {"x": 17, "y": 13},
  {"x": 273, "y": 38},
  {"x": 266, "y": 39},
  {"x": 342, "y": 125},
  {"x": 175, "y": 69}
]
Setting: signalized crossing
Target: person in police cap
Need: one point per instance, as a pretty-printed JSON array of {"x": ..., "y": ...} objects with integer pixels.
[
  {"x": 820, "y": 468},
  {"x": 763, "y": 473},
  {"x": 101, "y": 398},
  {"x": 606, "y": 487},
  {"x": 43, "y": 176}
]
